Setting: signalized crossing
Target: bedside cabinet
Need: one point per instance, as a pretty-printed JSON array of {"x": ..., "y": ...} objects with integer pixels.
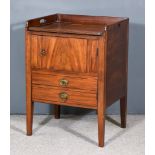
[{"x": 79, "y": 61}]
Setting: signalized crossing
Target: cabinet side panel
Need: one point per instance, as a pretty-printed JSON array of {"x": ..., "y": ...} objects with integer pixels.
[{"x": 117, "y": 53}]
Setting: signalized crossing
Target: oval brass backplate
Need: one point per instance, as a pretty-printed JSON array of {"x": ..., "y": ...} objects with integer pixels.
[
  {"x": 64, "y": 82},
  {"x": 63, "y": 96}
]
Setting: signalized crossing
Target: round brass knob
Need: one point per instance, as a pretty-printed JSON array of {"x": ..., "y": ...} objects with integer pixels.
[
  {"x": 64, "y": 82},
  {"x": 63, "y": 96},
  {"x": 43, "y": 52}
]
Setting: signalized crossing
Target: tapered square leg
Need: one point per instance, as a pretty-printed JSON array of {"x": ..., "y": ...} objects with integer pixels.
[
  {"x": 123, "y": 111},
  {"x": 101, "y": 92},
  {"x": 101, "y": 127},
  {"x": 29, "y": 103},
  {"x": 57, "y": 111},
  {"x": 29, "y": 117}
]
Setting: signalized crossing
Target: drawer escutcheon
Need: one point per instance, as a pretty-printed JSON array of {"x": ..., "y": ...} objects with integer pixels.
[{"x": 43, "y": 52}]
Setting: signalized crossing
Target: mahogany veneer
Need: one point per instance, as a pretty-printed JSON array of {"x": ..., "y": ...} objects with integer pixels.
[{"x": 79, "y": 61}]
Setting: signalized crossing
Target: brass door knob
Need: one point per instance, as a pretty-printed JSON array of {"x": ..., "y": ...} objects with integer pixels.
[
  {"x": 63, "y": 96},
  {"x": 64, "y": 82},
  {"x": 43, "y": 52}
]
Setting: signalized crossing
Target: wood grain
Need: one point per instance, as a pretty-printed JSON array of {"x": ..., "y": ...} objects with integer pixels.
[
  {"x": 57, "y": 111},
  {"x": 83, "y": 36},
  {"x": 117, "y": 41},
  {"x": 76, "y": 97},
  {"x": 75, "y": 81},
  {"x": 70, "y": 28},
  {"x": 89, "y": 52},
  {"x": 64, "y": 54},
  {"x": 123, "y": 111},
  {"x": 101, "y": 89},
  {"x": 78, "y": 19},
  {"x": 36, "y": 21},
  {"x": 92, "y": 49},
  {"x": 29, "y": 103},
  {"x": 107, "y": 20},
  {"x": 67, "y": 54}
]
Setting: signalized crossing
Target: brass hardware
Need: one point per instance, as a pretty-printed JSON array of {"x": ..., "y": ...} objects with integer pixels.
[
  {"x": 105, "y": 28},
  {"x": 27, "y": 24},
  {"x": 43, "y": 52},
  {"x": 63, "y": 96},
  {"x": 42, "y": 21},
  {"x": 63, "y": 82}
]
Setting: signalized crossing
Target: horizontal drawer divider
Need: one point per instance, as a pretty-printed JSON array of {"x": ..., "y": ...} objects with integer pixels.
[
  {"x": 64, "y": 88},
  {"x": 65, "y": 73}
]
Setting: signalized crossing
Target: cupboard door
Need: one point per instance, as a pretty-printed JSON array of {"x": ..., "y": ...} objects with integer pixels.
[{"x": 63, "y": 54}]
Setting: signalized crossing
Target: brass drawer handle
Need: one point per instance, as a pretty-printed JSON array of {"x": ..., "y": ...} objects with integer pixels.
[
  {"x": 43, "y": 52},
  {"x": 64, "y": 82},
  {"x": 63, "y": 96}
]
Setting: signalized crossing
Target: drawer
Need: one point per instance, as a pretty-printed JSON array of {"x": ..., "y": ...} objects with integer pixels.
[
  {"x": 64, "y": 96},
  {"x": 63, "y": 80}
]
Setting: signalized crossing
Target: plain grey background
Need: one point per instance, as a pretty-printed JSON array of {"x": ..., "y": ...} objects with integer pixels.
[{"x": 22, "y": 10}]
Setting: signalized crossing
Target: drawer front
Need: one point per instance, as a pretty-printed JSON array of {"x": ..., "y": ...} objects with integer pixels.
[
  {"x": 63, "y": 54},
  {"x": 64, "y": 96},
  {"x": 63, "y": 80}
]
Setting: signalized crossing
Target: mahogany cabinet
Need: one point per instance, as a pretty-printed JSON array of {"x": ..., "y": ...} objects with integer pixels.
[{"x": 79, "y": 61}]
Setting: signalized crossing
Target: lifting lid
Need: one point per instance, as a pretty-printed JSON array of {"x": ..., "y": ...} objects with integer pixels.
[{"x": 70, "y": 28}]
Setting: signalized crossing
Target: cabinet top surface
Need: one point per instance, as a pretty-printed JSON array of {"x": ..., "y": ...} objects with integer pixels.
[{"x": 73, "y": 24}]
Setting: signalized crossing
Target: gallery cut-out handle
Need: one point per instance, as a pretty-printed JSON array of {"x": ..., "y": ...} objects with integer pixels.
[{"x": 42, "y": 21}]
